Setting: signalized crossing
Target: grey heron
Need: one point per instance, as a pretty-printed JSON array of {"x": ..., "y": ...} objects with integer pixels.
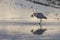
[{"x": 39, "y": 16}]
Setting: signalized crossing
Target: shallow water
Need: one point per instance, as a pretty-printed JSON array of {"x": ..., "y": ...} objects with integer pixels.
[{"x": 22, "y": 31}]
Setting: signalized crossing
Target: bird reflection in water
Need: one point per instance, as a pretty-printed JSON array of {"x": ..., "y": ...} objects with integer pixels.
[{"x": 38, "y": 31}]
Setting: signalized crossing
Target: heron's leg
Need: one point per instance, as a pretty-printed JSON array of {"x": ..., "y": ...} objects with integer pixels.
[{"x": 40, "y": 24}]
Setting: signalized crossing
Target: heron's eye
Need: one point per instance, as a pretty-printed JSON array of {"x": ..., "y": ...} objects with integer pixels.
[{"x": 31, "y": 15}]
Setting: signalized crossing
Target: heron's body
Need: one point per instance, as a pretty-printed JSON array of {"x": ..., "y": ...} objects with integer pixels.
[{"x": 40, "y": 15}]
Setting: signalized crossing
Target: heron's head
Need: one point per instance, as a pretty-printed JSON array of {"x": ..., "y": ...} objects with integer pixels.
[
  {"x": 31, "y": 15},
  {"x": 32, "y": 30}
]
